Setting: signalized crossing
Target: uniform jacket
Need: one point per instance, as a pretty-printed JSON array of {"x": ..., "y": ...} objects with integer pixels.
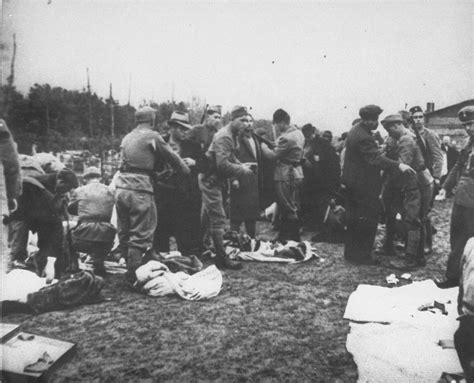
[
  {"x": 93, "y": 204},
  {"x": 222, "y": 154},
  {"x": 145, "y": 149},
  {"x": 202, "y": 135},
  {"x": 289, "y": 149},
  {"x": 323, "y": 170},
  {"x": 462, "y": 175},
  {"x": 433, "y": 147},
  {"x": 10, "y": 161},
  {"x": 363, "y": 162}
]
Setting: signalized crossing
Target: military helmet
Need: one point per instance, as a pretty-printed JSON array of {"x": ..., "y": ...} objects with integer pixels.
[{"x": 145, "y": 114}]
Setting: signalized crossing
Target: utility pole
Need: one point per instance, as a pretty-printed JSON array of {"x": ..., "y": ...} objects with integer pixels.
[
  {"x": 90, "y": 103},
  {"x": 10, "y": 80},
  {"x": 112, "y": 117}
]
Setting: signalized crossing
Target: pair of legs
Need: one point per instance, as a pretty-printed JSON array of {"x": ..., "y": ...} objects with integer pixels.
[
  {"x": 213, "y": 218},
  {"x": 287, "y": 198},
  {"x": 136, "y": 221},
  {"x": 250, "y": 226}
]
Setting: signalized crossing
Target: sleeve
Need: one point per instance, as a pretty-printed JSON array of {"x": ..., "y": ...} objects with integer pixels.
[
  {"x": 334, "y": 170},
  {"x": 202, "y": 162},
  {"x": 434, "y": 146},
  {"x": 267, "y": 152},
  {"x": 405, "y": 150},
  {"x": 452, "y": 177},
  {"x": 11, "y": 163},
  {"x": 73, "y": 202},
  {"x": 282, "y": 147},
  {"x": 371, "y": 155},
  {"x": 170, "y": 156},
  {"x": 223, "y": 148}
]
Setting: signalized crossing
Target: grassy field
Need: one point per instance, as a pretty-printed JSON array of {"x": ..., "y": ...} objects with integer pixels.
[{"x": 271, "y": 322}]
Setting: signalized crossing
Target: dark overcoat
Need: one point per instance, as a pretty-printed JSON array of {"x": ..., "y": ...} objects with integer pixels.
[{"x": 245, "y": 201}]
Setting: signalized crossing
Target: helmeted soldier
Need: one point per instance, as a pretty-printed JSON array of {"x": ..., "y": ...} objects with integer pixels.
[
  {"x": 462, "y": 215},
  {"x": 93, "y": 203},
  {"x": 143, "y": 150},
  {"x": 417, "y": 189}
]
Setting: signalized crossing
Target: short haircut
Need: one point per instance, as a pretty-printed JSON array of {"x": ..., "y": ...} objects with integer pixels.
[{"x": 281, "y": 116}]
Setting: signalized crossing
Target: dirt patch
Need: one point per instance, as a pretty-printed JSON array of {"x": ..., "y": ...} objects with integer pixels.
[{"x": 271, "y": 322}]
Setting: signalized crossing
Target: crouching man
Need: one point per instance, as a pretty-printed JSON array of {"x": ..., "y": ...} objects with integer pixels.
[
  {"x": 41, "y": 210},
  {"x": 93, "y": 204}
]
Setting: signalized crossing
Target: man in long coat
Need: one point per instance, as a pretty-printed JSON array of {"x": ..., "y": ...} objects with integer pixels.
[{"x": 361, "y": 177}]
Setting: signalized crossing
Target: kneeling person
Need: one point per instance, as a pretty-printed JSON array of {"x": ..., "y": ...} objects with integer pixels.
[{"x": 94, "y": 234}]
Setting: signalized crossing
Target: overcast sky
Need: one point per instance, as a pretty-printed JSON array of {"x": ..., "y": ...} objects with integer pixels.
[{"x": 320, "y": 61}]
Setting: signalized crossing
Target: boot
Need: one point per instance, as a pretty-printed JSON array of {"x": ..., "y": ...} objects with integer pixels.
[
  {"x": 283, "y": 233},
  {"x": 388, "y": 248},
  {"x": 134, "y": 261},
  {"x": 414, "y": 253},
  {"x": 222, "y": 260}
]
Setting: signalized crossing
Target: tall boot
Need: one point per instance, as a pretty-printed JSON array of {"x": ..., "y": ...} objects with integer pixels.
[
  {"x": 283, "y": 234},
  {"x": 294, "y": 230},
  {"x": 134, "y": 261},
  {"x": 428, "y": 242},
  {"x": 222, "y": 260},
  {"x": 413, "y": 259}
]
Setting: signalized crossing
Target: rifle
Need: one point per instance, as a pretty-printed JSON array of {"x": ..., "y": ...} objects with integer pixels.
[{"x": 203, "y": 117}]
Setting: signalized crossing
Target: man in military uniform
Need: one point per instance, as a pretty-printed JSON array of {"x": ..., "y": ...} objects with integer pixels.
[
  {"x": 362, "y": 180},
  {"x": 417, "y": 189},
  {"x": 288, "y": 175},
  {"x": 93, "y": 204},
  {"x": 143, "y": 151},
  {"x": 10, "y": 184},
  {"x": 178, "y": 199},
  {"x": 430, "y": 146},
  {"x": 224, "y": 165},
  {"x": 462, "y": 215},
  {"x": 203, "y": 133}
]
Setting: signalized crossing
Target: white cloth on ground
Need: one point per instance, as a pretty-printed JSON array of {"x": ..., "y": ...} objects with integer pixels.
[
  {"x": 407, "y": 348},
  {"x": 156, "y": 280},
  {"x": 18, "y": 283}
]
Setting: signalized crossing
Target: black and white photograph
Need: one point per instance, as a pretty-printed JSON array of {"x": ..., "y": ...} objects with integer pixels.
[{"x": 237, "y": 191}]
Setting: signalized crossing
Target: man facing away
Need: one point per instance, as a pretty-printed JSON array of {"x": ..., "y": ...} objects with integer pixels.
[{"x": 143, "y": 151}]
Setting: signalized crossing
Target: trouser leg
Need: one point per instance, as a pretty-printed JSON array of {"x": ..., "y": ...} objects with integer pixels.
[
  {"x": 250, "y": 227},
  {"x": 18, "y": 239},
  {"x": 462, "y": 228}
]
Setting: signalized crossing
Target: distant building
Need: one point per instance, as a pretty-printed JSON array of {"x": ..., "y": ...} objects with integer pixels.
[{"x": 445, "y": 121}]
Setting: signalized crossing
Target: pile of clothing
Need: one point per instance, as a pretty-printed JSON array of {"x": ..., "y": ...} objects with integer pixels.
[
  {"x": 156, "y": 280},
  {"x": 242, "y": 247}
]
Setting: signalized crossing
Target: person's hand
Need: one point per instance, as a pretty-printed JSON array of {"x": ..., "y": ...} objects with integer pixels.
[
  {"x": 441, "y": 195},
  {"x": 12, "y": 205},
  {"x": 235, "y": 184},
  {"x": 189, "y": 161},
  {"x": 405, "y": 168},
  {"x": 437, "y": 183},
  {"x": 247, "y": 169}
]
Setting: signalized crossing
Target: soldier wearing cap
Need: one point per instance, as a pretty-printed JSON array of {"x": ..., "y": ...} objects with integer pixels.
[
  {"x": 288, "y": 175},
  {"x": 361, "y": 177},
  {"x": 204, "y": 132},
  {"x": 462, "y": 215},
  {"x": 224, "y": 165},
  {"x": 93, "y": 204},
  {"x": 178, "y": 199},
  {"x": 430, "y": 146},
  {"x": 417, "y": 189},
  {"x": 10, "y": 183},
  {"x": 143, "y": 151}
]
